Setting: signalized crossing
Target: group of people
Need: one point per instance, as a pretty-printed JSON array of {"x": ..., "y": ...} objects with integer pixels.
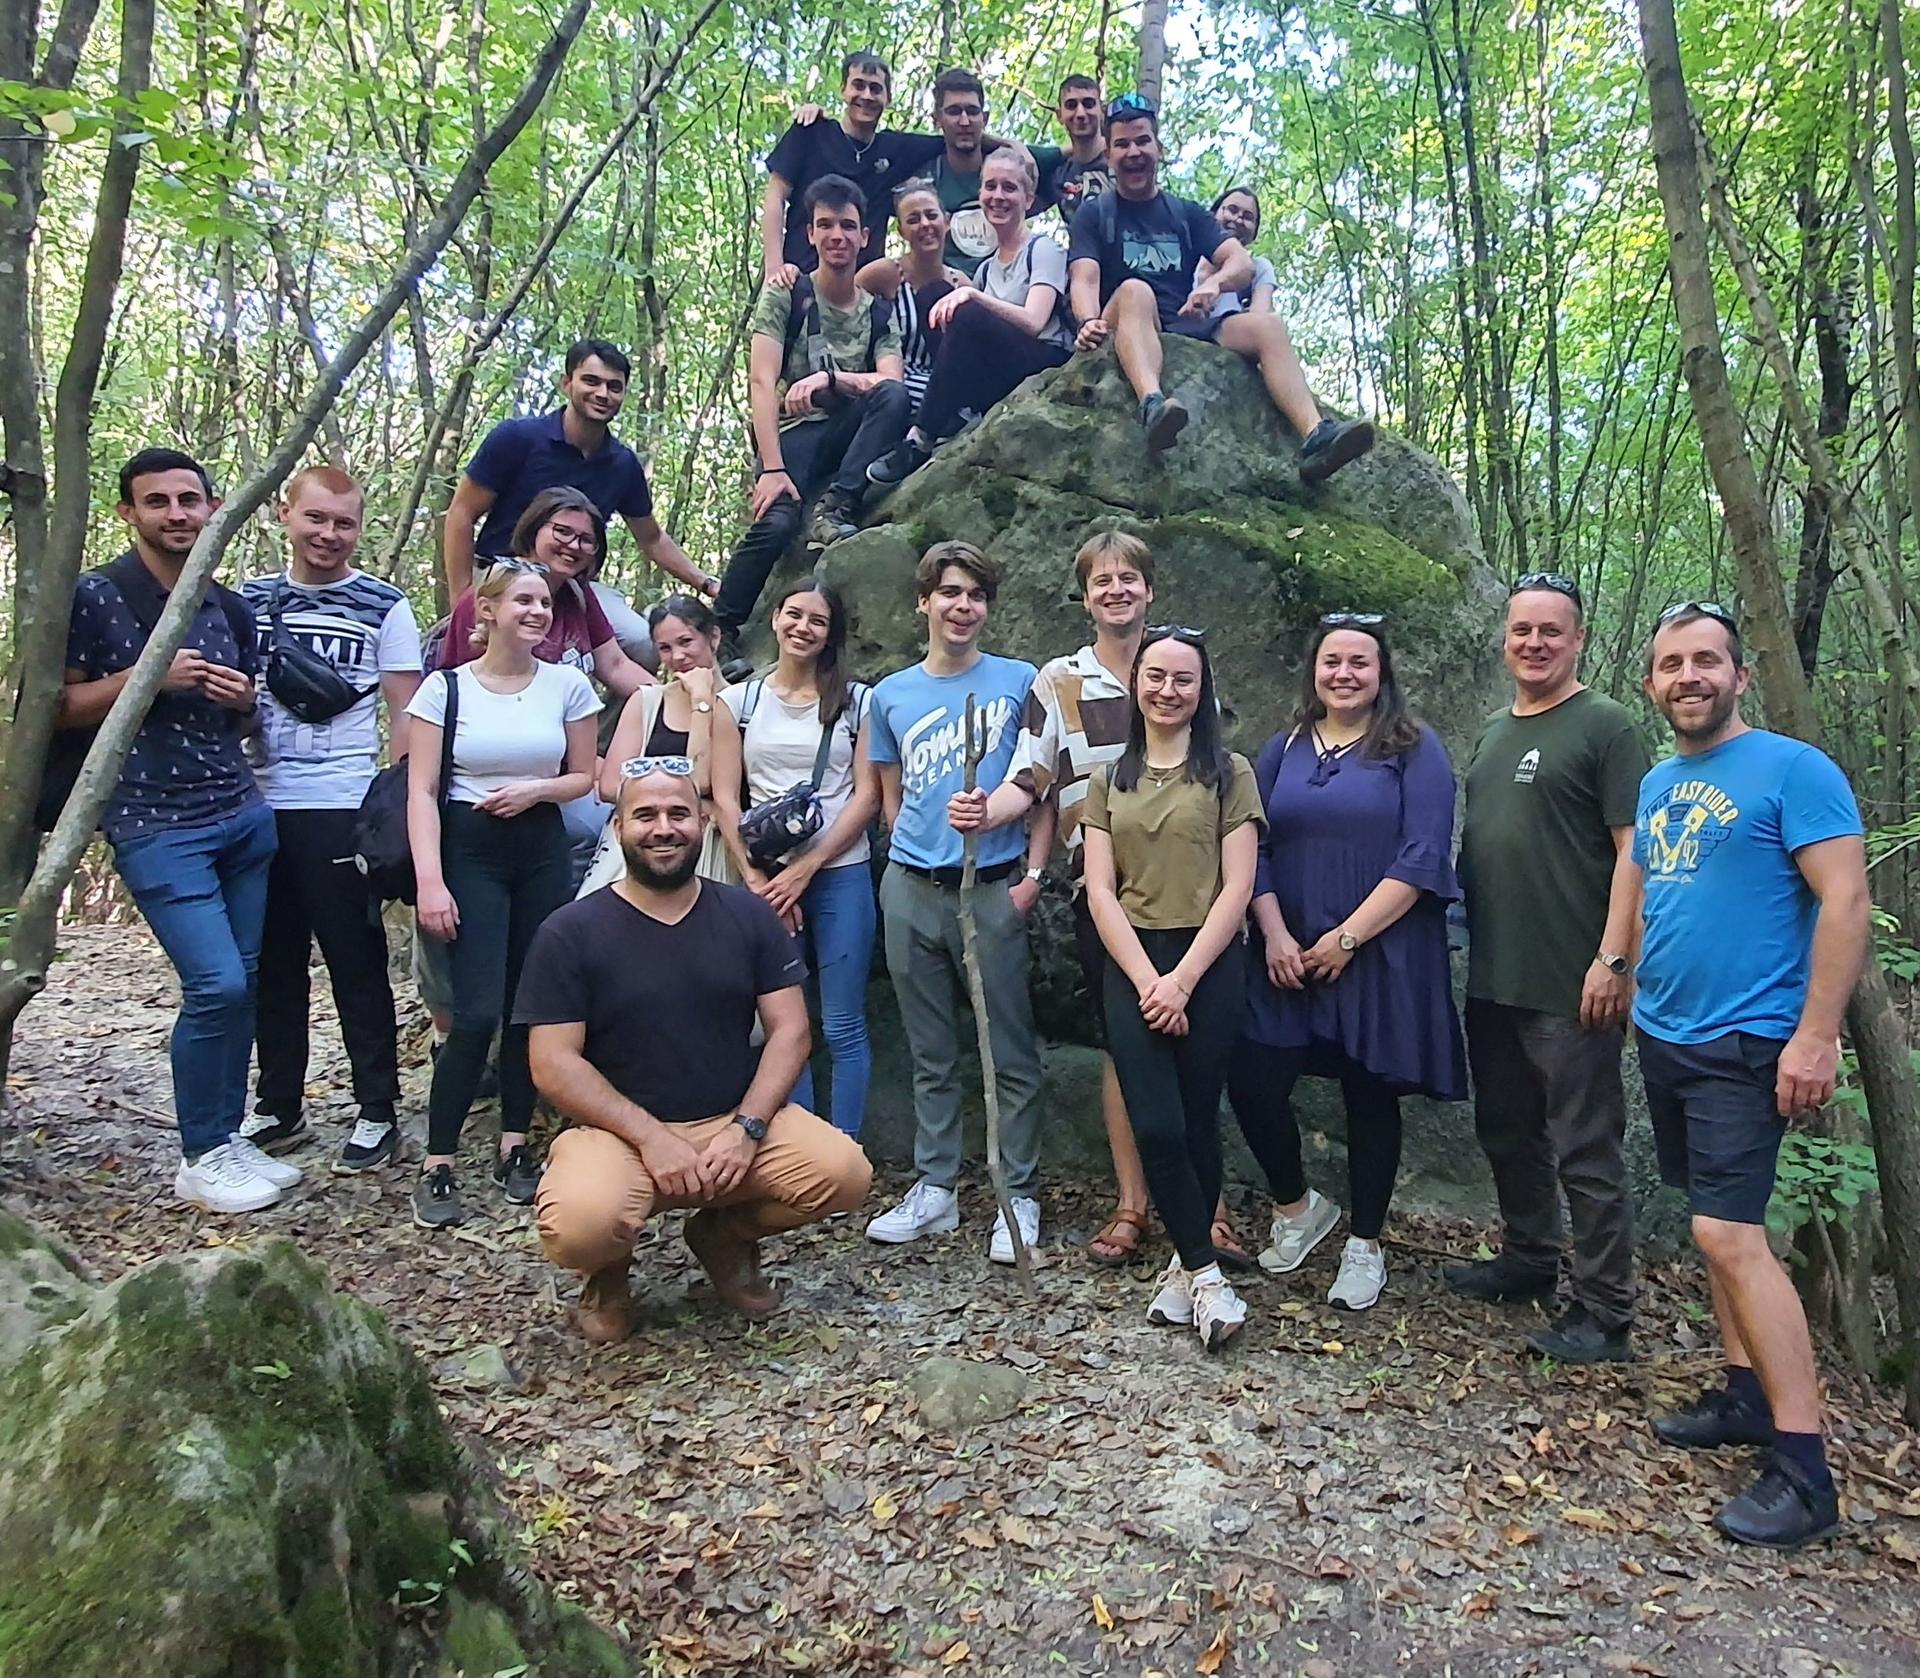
[{"x": 629, "y": 914}]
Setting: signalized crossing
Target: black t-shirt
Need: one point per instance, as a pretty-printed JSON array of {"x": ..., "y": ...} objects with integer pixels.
[
  {"x": 876, "y": 167},
  {"x": 1159, "y": 241},
  {"x": 668, "y": 1009},
  {"x": 1068, "y": 183}
]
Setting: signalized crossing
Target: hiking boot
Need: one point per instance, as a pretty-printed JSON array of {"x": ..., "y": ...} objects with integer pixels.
[
  {"x": 1026, "y": 1213},
  {"x": 1291, "y": 1239},
  {"x": 1330, "y": 445},
  {"x": 1218, "y": 1312},
  {"x": 277, "y": 1172},
  {"x": 1716, "y": 1419},
  {"x": 835, "y": 519},
  {"x": 1781, "y": 1510},
  {"x": 899, "y": 463},
  {"x": 927, "y": 1210},
  {"x": 517, "y": 1176},
  {"x": 273, "y": 1134},
  {"x": 1162, "y": 419},
  {"x": 220, "y": 1180},
  {"x": 374, "y": 1142},
  {"x": 1578, "y": 1338},
  {"x": 436, "y": 1202},
  {"x": 1363, "y": 1273},
  {"x": 1500, "y": 1280},
  {"x": 729, "y": 660},
  {"x": 1172, "y": 1306},
  {"x": 605, "y": 1311}
]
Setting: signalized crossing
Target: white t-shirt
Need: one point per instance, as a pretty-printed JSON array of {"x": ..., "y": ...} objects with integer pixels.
[
  {"x": 1235, "y": 302},
  {"x": 500, "y": 738},
  {"x": 779, "y": 744},
  {"x": 1042, "y": 262},
  {"x": 365, "y": 629}
]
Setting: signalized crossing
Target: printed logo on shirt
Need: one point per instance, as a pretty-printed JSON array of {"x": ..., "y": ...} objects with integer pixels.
[
  {"x": 935, "y": 746},
  {"x": 1082, "y": 189},
  {"x": 1154, "y": 253},
  {"x": 1529, "y": 766},
  {"x": 1686, "y": 827},
  {"x": 970, "y": 233}
]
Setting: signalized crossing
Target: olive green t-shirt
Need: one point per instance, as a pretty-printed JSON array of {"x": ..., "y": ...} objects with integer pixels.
[
  {"x": 1166, "y": 840},
  {"x": 1536, "y": 850},
  {"x": 848, "y": 333}
]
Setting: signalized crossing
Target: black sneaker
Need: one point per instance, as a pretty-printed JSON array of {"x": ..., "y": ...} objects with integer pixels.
[
  {"x": 1330, "y": 445},
  {"x": 1717, "y": 1419},
  {"x": 517, "y": 1177},
  {"x": 1500, "y": 1280},
  {"x": 1162, "y": 419},
  {"x": 898, "y": 464},
  {"x": 732, "y": 663},
  {"x": 436, "y": 1202},
  {"x": 272, "y": 1134},
  {"x": 834, "y": 520},
  {"x": 1577, "y": 1338},
  {"x": 1782, "y": 1509},
  {"x": 375, "y": 1142}
]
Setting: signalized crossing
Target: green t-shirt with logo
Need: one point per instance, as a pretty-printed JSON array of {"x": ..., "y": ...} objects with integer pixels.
[
  {"x": 1544, "y": 793},
  {"x": 848, "y": 332}
]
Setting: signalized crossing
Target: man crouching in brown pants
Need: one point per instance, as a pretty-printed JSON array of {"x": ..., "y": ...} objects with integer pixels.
[{"x": 642, "y": 998}]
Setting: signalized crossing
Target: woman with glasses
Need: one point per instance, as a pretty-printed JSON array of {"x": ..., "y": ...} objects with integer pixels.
[
  {"x": 1237, "y": 210},
  {"x": 1171, "y": 831},
  {"x": 490, "y": 855},
  {"x": 823, "y": 888},
  {"x": 1350, "y": 978}
]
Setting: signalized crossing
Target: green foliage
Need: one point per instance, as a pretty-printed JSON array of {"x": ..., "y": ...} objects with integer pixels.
[{"x": 1820, "y": 1177}]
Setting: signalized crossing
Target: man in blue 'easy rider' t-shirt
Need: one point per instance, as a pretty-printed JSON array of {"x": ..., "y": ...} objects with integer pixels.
[
  {"x": 918, "y": 743},
  {"x": 1755, "y": 915}
]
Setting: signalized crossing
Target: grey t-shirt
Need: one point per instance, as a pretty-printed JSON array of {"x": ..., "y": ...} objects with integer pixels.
[{"x": 1042, "y": 262}]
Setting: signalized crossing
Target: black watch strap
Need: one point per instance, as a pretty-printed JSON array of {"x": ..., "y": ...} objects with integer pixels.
[{"x": 753, "y": 1126}]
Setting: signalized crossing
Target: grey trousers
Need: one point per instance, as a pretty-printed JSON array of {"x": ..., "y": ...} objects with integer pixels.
[
  {"x": 1550, "y": 1113},
  {"x": 930, "y": 981}
]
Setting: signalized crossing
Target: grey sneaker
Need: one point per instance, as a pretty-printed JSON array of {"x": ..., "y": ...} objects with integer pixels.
[
  {"x": 517, "y": 1176},
  {"x": 1162, "y": 419},
  {"x": 436, "y": 1202},
  {"x": 1330, "y": 445}
]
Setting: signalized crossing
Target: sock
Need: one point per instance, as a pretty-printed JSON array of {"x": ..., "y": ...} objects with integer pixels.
[
  {"x": 1743, "y": 1387},
  {"x": 1806, "y": 1452}
]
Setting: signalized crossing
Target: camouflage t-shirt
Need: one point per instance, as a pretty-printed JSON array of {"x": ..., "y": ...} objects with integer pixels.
[{"x": 849, "y": 333}]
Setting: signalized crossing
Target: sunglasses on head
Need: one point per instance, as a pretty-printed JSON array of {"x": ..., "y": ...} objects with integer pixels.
[
  {"x": 1130, "y": 107},
  {"x": 1353, "y": 620},
  {"x": 635, "y": 767},
  {"x": 1555, "y": 582},
  {"x": 1174, "y": 631},
  {"x": 531, "y": 567},
  {"x": 1706, "y": 608}
]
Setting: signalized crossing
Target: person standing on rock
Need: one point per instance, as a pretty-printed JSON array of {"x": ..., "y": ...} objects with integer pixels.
[
  {"x": 1552, "y": 897},
  {"x": 1132, "y": 262},
  {"x": 826, "y": 399},
  {"x": 1351, "y": 980},
  {"x": 1172, "y": 839},
  {"x": 919, "y": 744},
  {"x": 314, "y": 765},
  {"x": 192, "y": 837},
  {"x": 1755, "y": 916},
  {"x": 1076, "y": 173}
]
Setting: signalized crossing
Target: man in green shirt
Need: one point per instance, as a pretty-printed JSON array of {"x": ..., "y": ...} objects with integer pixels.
[
  {"x": 1552, "y": 896},
  {"x": 960, "y": 113},
  {"x": 825, "y": 396}
]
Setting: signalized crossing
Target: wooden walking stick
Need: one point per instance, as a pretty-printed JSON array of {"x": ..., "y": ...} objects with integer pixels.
[{"x": 977, "y": 990}]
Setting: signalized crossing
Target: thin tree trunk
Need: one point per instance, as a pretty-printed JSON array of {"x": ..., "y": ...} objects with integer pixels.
[
  {"x": 1153, "y": 48},
  {"x": 1906, "y": 241}
]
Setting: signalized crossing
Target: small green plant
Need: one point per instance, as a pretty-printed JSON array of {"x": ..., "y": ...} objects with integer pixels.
[
  {"x": 425, "y": 1593},
  {"x": 1820, "y": 1177}
]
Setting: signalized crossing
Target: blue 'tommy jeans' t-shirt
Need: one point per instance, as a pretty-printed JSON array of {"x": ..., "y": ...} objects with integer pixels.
[
  {"x": 1728, "y": 918},
  {"x": 919, "y": 722}
]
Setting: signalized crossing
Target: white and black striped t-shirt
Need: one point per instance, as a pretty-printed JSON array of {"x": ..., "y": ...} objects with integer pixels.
[{"x": 910, "y": 320}]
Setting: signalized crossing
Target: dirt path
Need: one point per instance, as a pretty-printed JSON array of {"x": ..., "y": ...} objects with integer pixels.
[{"x": 1396, "y": 1492}]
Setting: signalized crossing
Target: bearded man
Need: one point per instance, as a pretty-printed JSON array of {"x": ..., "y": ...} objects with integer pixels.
[{"x": 642, "y": 999}]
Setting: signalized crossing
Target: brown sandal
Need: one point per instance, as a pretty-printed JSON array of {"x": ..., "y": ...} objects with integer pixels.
[
  {"x": 1227, "y": 1248},
  {"x": 1122, "y": 1232}
]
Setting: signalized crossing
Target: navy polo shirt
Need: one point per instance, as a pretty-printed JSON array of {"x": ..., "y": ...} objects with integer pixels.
[
  {"x": 186, "y": 767},
  {"x": 519, "y": 458}
]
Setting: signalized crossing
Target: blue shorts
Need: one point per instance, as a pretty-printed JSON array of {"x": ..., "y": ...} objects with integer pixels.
[
  {"x": 1185, "y": 326},
  {"x": 1716, "y": 1123}
]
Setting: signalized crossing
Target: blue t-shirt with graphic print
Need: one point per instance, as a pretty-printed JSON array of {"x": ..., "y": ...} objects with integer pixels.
[
  {"x": 1159, "y": 240},
  {"x": 919, "y": 722},
  {"x": 1728, "y": 918}
]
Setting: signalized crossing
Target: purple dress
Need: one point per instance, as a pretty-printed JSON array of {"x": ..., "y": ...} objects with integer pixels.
[{"x": 1334, "y": 831}]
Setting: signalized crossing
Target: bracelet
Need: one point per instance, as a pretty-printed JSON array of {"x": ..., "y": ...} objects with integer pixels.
[{"x": 771, "y": 471}]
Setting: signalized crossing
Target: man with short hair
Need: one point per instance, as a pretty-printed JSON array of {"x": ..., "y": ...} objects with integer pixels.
[
  {"x": 1131, "y": 270},
  {"x": 1755, "y": 920},
  {"x": 314, "y": 771},
  {"x": 573, "y": 445},
  {"x": 918, "y": 719},
  {"x": 191, "y": 835},
  {"x": 642, "y": 999},
  {"x": 1552, "y": 896},
  {"x": 1076, "y": 173},
  {"x": 826, "y": 397},
  {"x": 960, "y": 114}
]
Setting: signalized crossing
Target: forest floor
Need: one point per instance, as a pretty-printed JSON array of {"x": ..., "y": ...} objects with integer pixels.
[{"x": 1394, "y": 1492}]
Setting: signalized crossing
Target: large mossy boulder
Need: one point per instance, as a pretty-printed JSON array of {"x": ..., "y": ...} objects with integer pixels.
[{"x": 216, "y": 1467}]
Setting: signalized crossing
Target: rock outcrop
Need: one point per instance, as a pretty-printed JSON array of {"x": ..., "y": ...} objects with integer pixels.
[{"x": 216, "y": 1467}]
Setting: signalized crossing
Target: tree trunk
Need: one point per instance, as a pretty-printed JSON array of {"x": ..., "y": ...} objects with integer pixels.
[
  {"x": 1906, "y": 246},
  {"x": 1879, "y": 1043},
  {"x": 1153, "y": 48}
]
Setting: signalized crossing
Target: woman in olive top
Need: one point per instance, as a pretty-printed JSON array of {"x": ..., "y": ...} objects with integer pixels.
[{"x": 1172, "y": 833}]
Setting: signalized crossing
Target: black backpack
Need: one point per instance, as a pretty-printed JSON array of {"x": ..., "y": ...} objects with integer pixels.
[
  {"x": 307, "y": 684},
  {"x": 803, "y": 320},
  {"x": 67, "y": 750},
  {"x": 381, "y": 849}
]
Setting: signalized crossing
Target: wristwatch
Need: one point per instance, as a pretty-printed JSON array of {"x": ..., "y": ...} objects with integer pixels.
[
  {"x": 756, "y": 1128},
  {"x": 1613, "y": 964},
  {"x": 703, "y": 706},
  {"x": 1347, "y": 941},
  {"x": 1036, "y": 874}
]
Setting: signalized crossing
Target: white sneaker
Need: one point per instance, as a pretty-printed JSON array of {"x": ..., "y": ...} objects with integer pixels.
[
  {"x": 220, "y": 1180},
  {"x": 1363, "y": 1273},
  {"x": 262, "y": 1164},
  {"x": 927, "y": 1210},
  {"x": 1172, "y": 1306},
  {"x": 1218, "y": 1312},
  {"x": 1293, "y": 1238},
  {"x": 1026, "y": 1213}
]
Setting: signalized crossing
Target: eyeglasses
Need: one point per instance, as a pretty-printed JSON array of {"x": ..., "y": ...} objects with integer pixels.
[
  {"x": 1557, "y": 582},
  {"x": 1706, "y": 608},
  {"x": 1161, "y": 631},
  {"x": 635, "y": 767},
  {"x": 1353, "y": 620},
  {"x": 570, "y": 538},
  {"x": 1131, "y": 106}
]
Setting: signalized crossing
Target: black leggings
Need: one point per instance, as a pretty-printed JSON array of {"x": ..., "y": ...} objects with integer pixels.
[
  {"x": 1260, "y": 1087},
  {"x": 1172, "y": 1086},
  {"x": 981, "y": 359},
  {"x": 506, "y": 874}
]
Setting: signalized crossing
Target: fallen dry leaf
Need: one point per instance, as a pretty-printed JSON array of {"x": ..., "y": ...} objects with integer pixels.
[
  {"x": 1214, "y": 1653},
  {"x": 1102, "y": 1615}
]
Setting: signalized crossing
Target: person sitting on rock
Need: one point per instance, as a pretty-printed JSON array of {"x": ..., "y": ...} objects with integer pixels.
[
  {"x": 1131, "y": 268},
  {"x": 640, "y": 1002},
  {"x": 825, "y": 395},
  {"x": 913, "y": 283},
  {"x": 1008, "y": 325},
  {"x": 1237, "y": 210}
]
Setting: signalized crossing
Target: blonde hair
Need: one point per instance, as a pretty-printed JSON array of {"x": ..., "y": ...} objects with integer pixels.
[
  {"x": 490, "y": 583},
  {"x": 1011, "y": 151},
  {"x": 1118, "y": 546}
]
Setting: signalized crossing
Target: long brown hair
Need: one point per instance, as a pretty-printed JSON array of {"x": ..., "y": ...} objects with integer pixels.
[
  {"x": 830, "y": 664},
  {"x": 1394, "y": 728}
]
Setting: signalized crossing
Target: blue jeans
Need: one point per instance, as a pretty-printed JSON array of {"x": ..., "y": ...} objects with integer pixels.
[
  {"x": 203, "y": 890},
  {"x": 839, "y": 922}
]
